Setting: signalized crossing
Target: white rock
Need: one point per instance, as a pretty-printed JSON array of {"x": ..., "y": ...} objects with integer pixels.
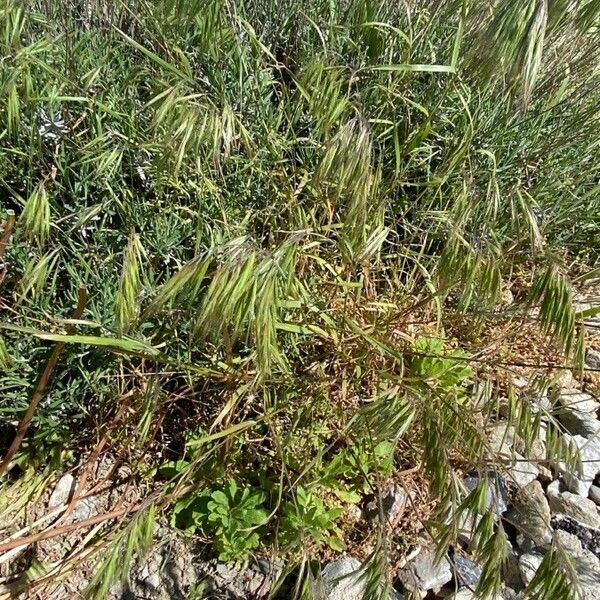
[
  {"x": 501, "y": 437},
  {"x": 528, "y": 565},
  {"x": 573, "y": 505},
  {"x": 578, "y": 400},
  {"x": 545, "y": 475},
  {"x": 342, "y": 580},
  {"x": 423, "y": 573},
  {"x": 579, "y": 412},
  {"x": 503, "y": 440},
  {"x": 522, "y": 471},
  {"x": 62, "y": 492},
  {"x": 589, "y": 450}
]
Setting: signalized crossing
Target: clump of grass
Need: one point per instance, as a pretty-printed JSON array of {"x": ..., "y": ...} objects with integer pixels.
[{"x": 276, "y": 217}]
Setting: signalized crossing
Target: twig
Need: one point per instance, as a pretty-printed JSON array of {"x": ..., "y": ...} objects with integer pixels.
[
  {"x": 40, "y": 389},
  {"x": 50, "y": 533},
  {"x": 94, "y": 457},
  {"x": 8, "y": 228}
]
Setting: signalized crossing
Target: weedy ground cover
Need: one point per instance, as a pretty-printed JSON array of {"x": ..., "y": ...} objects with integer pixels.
[{"x": 278, "y": 212}]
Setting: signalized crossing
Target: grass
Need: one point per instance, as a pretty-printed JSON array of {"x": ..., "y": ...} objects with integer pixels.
[{"x": 279, "y": 211}]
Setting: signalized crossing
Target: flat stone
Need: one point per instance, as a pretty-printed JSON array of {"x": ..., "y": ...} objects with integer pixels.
[
  {"x": 528, "y": 565},
  {"x": 572, "y": 505},
  {"x": 423, "y": 573},
  {"x": 503, "y": 440},
  {"x": 342, "y": 581},
  {"x": 578, "y": 422},
  {"x": 578, "y": 400},
  {"x": 589, "y": 450},
  {"x": 592, "y": 358},
  {"x": 62, "y": 492},
  {"x": 522, "y": 471},
  {"x": 501, "y": 437},
  {"x": 537, "y": 447},
  {"x": 530, "y": 513}
]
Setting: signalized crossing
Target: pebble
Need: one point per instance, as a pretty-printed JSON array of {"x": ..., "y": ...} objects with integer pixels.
[
  {"x": 62, "y": 492},
  {"x": 589, "y": 450}
]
